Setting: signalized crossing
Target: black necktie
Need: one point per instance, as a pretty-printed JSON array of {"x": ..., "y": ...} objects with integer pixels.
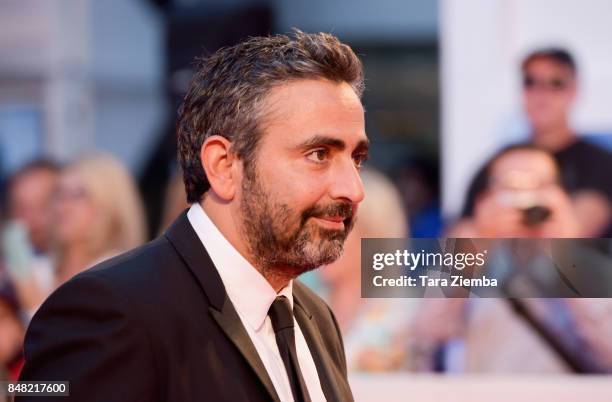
[{"x": 281, "y": 316}]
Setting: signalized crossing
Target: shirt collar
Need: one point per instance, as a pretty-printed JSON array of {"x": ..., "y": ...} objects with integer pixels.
[{"x": 248, "y": 290}]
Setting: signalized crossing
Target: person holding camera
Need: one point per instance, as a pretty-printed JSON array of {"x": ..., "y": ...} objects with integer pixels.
[
  {"x": 523, "y": 197},
  {"x": 550, "y": 85}
]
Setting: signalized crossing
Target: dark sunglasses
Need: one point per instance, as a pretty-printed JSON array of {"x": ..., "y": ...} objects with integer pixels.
[{"x": 555, "y": 84}]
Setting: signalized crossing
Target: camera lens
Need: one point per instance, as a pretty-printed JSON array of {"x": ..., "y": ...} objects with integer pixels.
[{"x": 536, "y": 215}]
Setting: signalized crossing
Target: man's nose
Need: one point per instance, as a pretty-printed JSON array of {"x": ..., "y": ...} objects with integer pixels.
[{"x": 346, "y": 183}]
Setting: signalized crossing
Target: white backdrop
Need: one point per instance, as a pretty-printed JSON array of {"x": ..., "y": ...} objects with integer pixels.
[
  {"x": 407, "y": 387},
  {"x": 482, "y": 43}
]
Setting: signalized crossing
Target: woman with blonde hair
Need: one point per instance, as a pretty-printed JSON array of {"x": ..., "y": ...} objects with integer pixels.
[
  {"x": 377, "y": 332},
  {"x": 99, "y": 214}
]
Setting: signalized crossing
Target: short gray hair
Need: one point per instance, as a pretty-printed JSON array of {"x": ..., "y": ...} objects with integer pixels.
[{"x": 225, "y": 93}]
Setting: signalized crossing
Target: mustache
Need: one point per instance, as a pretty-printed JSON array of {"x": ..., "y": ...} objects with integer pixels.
[{"x": 344, "y": 210}]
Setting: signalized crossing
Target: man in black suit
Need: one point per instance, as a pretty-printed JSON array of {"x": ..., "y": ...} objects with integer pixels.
[{"x": 271, "y": 137}]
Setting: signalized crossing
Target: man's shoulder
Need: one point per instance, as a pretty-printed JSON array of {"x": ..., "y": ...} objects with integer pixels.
[
  {"x": 588, "y": 150},
  {"x": 145, "y": 289},
  {"x": 139, "y": 276},
  {"x": 308, "y": 296},
  {"x": 324, "y": 320},
  {"x": 139, "y": 262}
]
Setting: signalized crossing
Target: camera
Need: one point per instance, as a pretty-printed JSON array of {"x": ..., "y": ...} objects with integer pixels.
[{"x": 522, "y": 191}]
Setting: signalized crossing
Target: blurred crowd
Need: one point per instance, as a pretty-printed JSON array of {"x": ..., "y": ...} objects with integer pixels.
[
  {"x": 555, "y": 185},
  {"x": 59, "y": 220}
]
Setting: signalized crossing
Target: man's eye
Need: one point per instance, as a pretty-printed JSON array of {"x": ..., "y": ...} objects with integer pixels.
[
  {"x": 318, "y": 155},
  {"x": 360, "y": 159}
]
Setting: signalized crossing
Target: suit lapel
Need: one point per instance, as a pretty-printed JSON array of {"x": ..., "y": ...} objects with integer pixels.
[
  {"x": 184, "y": 239},
  {"x": 230, "y": 323},
  {"x": 321, "y": 358}
]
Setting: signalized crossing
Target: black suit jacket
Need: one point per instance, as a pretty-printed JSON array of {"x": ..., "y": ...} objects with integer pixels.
[{"x": 155, "y": 324}]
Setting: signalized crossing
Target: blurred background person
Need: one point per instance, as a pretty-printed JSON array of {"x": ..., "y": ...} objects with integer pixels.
[
  {"x": 30, "y": 194},
  {"x": 376, "y": 332},
  {"x": 12, "y": 331},
  {"x": 98, "y": 214},
  {"x": 523, "y": 197},
  {"x": 550, "y": 86},
  {"x": 26, "y": 238}
]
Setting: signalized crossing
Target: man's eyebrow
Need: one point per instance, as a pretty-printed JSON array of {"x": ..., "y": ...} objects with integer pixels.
[{"x": 322, "y": 140}]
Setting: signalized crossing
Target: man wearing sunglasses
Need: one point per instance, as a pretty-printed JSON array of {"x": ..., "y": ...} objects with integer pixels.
[{"x": 550, "y": 86}]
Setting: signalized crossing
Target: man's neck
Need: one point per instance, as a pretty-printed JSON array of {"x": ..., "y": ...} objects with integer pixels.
[
  {"x": 275, "y": 277},
  {"x": 554, "y": 138},
  {"x": 227, "y": 222}
]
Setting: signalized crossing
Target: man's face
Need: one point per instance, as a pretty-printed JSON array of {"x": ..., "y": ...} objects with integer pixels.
[
  {"x": 30, "y": 201},
  {"x": 549, "y": 89},
  {"x": 299, "y": 197}
]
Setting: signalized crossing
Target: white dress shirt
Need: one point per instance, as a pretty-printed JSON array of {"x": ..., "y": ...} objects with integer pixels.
[{"x": 252, "y": 296}]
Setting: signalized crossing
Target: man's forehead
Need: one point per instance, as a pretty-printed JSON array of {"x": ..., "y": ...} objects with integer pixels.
[
  {"x": 524, "y": 160},
  {"x": 301, "y": 97},
  {"x": 305, "y": 108},
  {"x": 548, "y": 65}
]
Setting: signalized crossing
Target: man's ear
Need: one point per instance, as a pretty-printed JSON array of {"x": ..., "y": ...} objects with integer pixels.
[{"x": 218, "y": 162}]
